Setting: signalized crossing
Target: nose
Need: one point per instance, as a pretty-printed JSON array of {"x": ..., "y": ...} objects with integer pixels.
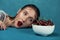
[{"x": 24, "y": 19}]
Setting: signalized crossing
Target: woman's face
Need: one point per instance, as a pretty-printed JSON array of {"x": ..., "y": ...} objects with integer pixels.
[{"x": 25, "y": 17}]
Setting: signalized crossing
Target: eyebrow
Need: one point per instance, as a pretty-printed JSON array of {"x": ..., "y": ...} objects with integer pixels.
[{"x": 28, "y": 13}]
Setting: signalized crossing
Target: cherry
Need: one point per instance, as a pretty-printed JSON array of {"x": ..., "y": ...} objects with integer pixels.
[
  {"x": 44, "y": 22},
  {"x": 49, "y": 22}
]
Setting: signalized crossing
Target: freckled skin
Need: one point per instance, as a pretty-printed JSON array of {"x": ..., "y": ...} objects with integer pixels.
[{"x": 24, "y": 18}]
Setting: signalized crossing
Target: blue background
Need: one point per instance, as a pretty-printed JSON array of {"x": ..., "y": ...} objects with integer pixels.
[{"x": 49, "y": 9}]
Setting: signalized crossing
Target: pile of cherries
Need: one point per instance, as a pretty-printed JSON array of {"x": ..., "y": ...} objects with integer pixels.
[{"x": 43, "y": 22}]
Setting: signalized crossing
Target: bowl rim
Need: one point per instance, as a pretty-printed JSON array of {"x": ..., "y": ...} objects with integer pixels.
[{"x": 42, "y": 25}]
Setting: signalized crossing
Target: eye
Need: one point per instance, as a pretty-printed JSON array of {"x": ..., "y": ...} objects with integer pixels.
[
  {"x": 25, "y": 13},
  {"x": 30, "y": 20}
]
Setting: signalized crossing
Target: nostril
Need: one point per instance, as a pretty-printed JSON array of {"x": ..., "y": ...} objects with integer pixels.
[{"x": 23, "y": 21}]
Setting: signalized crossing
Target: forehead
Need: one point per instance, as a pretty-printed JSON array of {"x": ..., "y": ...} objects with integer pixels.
[{"x": 30, "y": 11}]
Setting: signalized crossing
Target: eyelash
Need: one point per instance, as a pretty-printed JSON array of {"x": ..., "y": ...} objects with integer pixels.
[
  {"x": 25, "y": 13},
  {"x": 30, "y": 20}
]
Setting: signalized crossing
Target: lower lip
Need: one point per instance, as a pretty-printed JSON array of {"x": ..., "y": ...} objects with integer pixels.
[{"x": 19, "y": 23}]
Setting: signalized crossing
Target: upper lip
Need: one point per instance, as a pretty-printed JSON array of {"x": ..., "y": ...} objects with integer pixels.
[{"x": 22, "y": 21}]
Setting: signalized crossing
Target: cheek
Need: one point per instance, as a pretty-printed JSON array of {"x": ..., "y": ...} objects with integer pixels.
[
  {"x": 28, "y": 23},
  {"x": 21, "y": 15}
]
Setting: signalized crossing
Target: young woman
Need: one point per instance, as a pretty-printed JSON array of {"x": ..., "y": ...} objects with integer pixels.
[{"x": 24, "y": 18}]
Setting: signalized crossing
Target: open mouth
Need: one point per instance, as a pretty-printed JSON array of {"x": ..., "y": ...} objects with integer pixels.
[{"x": 19, "y": 23}]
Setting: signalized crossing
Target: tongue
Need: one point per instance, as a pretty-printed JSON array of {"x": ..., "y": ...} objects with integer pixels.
[{"x": 19, "y": 23}]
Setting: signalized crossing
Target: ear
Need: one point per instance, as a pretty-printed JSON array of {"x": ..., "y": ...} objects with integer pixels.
[{"x": 18, "y": 11}]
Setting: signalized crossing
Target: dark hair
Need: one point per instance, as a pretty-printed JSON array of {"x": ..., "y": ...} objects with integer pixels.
[
  {"x": 32, "y": 6},
  {"x": 35, "y": 8}
]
